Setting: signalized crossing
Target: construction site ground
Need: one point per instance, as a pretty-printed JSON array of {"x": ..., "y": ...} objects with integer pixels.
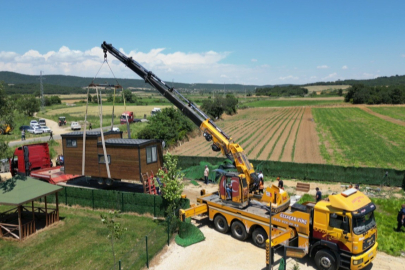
[{"x": 222, "y": 251}]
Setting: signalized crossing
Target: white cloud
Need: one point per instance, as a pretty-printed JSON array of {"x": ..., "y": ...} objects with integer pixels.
[
  {"x": 254, "y": 60},
  {"x": 403, "y": 55},
  {"x": 313, "y": 77},
  {"x": 330, "y": 76},
  {"x": 344, "y": 67},
  {"x": 322, "y": 67},
  {"x": 290, "y": 77},
  {"x": 223, "y": 76}
]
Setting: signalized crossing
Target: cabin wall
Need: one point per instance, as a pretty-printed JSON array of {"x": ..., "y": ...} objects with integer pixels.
[
  {"x": 73, "y": 156},
  {"x": 151, "y": 167},
  {"x": 124, "y": 162}
]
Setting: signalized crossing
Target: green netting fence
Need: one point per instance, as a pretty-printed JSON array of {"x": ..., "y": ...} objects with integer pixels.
[
  {"x": 305, "y": 171},
  {"x": 110, "y": 199}
]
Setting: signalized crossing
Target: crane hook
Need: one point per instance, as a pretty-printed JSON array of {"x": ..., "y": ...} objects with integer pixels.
[{"x": 105, "y": 55}]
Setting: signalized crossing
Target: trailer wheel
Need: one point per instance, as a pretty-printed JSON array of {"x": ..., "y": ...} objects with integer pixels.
[
  {"x": 220, "y": 224},
  {"x": 259, "y": 237},
  {"x": 101, "y": 181},
  {"x": 238, "y": 230},
  {"x": 325, "y": 260},
  {"x": 109, "y": 182}
]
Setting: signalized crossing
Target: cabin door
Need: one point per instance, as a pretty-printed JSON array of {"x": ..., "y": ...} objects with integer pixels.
[
  {"x": 235, "y": 189},
  {"x": 222, "y": 185}
]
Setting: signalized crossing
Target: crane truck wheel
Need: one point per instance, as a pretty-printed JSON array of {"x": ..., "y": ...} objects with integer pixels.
[
  {"x": 259, "y": 237},
  {"x": 325, "y": 260},
  {"x": 109, "y": 182},
  {"x": 101, "y": 181},
  {"x": 221, "y": 225},
  {"x": 238, "y": 231}
]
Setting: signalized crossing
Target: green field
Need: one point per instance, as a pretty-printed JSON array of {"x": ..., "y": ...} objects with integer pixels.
[
  {"x": 293, "y": 102},
  {"x": 394, "y": 112},
  {"x": 80, "y": 241},
  {"x": 353, "y": 137}
]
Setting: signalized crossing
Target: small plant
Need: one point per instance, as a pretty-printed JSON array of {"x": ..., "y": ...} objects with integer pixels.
[
  {"x": 296, "y": 266},
  {"x": 115, "y": 229}
]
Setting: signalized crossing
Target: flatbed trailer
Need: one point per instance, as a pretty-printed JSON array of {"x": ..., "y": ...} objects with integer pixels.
[{"x": 53, "y": 175}]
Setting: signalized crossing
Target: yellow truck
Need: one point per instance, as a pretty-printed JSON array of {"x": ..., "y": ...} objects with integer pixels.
[{"x": 337, "y": 232}]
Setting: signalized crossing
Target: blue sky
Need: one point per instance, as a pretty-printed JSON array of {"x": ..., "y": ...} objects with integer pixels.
[{"x": 244, "y": 42}]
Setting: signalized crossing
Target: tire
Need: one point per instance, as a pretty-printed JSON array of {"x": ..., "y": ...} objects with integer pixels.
[
  {"x": 238, "y": 231},
  {"x": 221, "y": 225},
  {"x": 101, "y": 181},
  {"x": 259, "y": 237},
  {"x": 325, "y": 260},
  {"x": 109, "y": 182}
]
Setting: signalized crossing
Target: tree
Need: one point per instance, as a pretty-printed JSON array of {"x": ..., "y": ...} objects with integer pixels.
[
  {"x": 28, "y": 105},
  {"x": 172, "y": 179},
  {"x": 115, "y": 229},
  {"x": 169, "y": 125}
]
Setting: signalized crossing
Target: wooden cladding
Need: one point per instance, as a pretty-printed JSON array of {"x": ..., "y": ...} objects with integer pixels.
[{"x": 127, "y": 161}]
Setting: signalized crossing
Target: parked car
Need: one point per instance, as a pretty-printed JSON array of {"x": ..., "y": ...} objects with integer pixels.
[
  {"x": 33, "y": 122},
  {"x": 75, "y": 126},
  {"x": 115, "y": 129},
  {"x": 42, "y": 122},
  {"x": 46, "y": 129},
  {"x": 24, "y": 128},
  {"x": 35, "y": 130}
]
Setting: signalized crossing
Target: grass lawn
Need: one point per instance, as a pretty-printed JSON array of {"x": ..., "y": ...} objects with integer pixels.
[
  {"x": 389, "y": 241},
  {"x": 291, "y": 103},
  {"x": 80, "y": 241}
]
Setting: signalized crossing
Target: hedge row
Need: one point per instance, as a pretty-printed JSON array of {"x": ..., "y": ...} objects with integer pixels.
[{"x": 307, "y": 171}]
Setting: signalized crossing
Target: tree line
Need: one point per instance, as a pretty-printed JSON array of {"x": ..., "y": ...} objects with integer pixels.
[
  {"x": 363, "y": 94},
  {"x": 282, "y": 91}
]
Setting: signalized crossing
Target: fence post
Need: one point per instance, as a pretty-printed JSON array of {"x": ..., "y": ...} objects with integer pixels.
[
  {"x": 147, "y": 257},
  {"x": 154, "y": 206},
  {"x": 119, "y": 264},
  {"x": 122, "y": 201},
  {"x": 92, "y": 197},
  {"x": 168, "y": 236}
]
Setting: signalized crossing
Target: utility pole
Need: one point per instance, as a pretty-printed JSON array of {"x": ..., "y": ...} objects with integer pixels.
[{"x": 42, "y": 91}]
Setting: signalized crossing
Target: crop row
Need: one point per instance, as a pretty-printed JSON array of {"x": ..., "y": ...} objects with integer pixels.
[
  {"x": 393, "y": 112},
  {"x": 359, "y": 138}
]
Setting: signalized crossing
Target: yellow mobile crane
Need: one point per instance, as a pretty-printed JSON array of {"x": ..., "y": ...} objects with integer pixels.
[
  {"x": 338, "y": 232},
  {"x": 246, "y": 180}
]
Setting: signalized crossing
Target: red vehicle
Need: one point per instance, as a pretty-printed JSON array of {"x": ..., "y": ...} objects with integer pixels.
[
  {"x": 34, "y": 160},
  {"x": 127, "y": 116}
]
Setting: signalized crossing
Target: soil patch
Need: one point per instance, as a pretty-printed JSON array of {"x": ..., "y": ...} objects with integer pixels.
[{"x": 307, "y": 145}]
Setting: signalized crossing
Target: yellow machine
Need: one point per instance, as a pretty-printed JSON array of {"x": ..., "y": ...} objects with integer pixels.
[
  {"x": 246, "y": 181},
  {"x": 5, "y": 129}
]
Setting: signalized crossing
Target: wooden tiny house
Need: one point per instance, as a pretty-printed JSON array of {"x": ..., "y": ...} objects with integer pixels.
[{"x": 128, "y": 158}]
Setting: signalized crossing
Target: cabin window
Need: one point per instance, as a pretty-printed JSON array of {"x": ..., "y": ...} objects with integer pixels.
[
  {"x": 101, "y": 159},
  {"x": 71, "y": 143},
  {"x": 151, "y": 154}
]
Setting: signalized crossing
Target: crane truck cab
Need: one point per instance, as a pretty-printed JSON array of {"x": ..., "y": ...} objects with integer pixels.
[{"x": 339, "y": 231}]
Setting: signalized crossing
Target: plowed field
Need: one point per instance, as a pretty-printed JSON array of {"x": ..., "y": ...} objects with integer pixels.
[{"x": 281, "y": 134}]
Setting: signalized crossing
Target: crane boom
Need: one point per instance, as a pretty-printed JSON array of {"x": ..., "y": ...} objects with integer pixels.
[{"x": 221, "y": 141}]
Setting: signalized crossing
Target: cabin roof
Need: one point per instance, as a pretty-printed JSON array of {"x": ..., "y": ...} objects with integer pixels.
[
  {"x": 129, "y": 142},
  {"x": 89, "y": 133}
]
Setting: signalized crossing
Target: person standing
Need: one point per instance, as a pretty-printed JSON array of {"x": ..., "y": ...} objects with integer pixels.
[
  {"x": 318, "y": 195},
  {"x": 51, "y": 135},
  {"x": 206, "y": 172},
  {"x": 400, "y": 218},
  {"x": 23, "y": 135},
  {"x": 90, "y": 127},
  {"x": 280, "y": 183}
]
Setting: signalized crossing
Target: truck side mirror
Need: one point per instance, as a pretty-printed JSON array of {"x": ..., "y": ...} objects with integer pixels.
[{"x": 345, "y": 225}]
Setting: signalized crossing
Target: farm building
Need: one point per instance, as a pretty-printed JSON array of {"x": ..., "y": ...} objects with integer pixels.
[{"x": 128, "y": 159}]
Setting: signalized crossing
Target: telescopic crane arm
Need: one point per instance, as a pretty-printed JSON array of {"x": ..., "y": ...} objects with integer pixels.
[{"x": 221, "y": 141}]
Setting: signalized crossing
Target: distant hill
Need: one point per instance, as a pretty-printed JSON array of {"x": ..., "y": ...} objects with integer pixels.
[
  {"x": 75, "y": 83},
  {"x": 380, "y": 81}
]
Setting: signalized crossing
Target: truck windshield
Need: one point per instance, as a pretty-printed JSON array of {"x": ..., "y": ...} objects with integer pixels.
[{"x": 362, "y": 224}]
